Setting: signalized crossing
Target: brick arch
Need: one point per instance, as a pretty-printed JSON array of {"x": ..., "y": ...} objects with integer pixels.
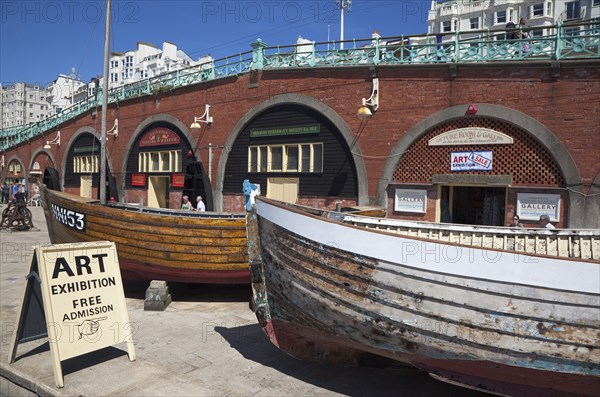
[
  {"x": 296, "y": 99},
  {"x": 48, "y": 154},
  {"x": 526, "y": 160},
  {"x": 162, "y": 117},
  {"x": 72, "y": 139},
  {"x": 532, "y": 128},
  {"x": 592, "y": 205},
  {"x": 8, "y": 161}
]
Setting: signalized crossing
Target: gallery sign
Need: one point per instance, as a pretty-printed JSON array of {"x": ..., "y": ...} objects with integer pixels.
[
  {"x": 471, "y": 161},
  {"x": 471, "y": 136},
  {"x": 83, "y": 302},
  {"x": 159, "y": 136},
  {"x": 531, "y": 206},
  {"x": 410, "y": 200}
]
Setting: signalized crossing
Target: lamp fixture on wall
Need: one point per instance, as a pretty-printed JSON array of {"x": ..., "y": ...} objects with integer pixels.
[
  {"x": 114, "y": 130},
  {"x": 205, "y": 118},
  {"x": 55, "y": 141},
  {"x": 364, "y": 111}
]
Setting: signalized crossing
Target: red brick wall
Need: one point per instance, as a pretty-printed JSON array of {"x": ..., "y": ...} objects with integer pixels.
[{"x": 569, "y": 106}]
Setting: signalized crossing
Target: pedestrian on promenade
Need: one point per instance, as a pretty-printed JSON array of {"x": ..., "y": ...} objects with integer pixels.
[
  {"x": 200, "y": 204},
  {"x": 186, "y": 204},
  {"x": 15, "y": 189},
  {"x": 523, "y": 34},
  {"x": 545, "y": 222},
  {"x": 5, "y": 193},
  {"x": 516, "y": 221}
]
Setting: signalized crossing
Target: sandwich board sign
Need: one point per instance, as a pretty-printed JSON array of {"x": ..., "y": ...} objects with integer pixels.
[{"x": 74, "y": 296}]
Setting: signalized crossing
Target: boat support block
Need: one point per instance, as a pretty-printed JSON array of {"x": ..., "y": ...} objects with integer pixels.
[{"x": 157, "y": 296}]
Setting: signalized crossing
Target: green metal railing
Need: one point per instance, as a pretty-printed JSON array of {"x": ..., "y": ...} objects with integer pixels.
[{"x": 573, "y": 41}]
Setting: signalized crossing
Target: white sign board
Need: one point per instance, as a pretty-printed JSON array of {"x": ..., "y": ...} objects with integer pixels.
[
  {"x": 83, "y": 300},
  {"x": 411, "y": 200},
  {"x": 471, "y": 161},
  {"x": 531, "y": 206},
  {"x": 471, "y": 136}
]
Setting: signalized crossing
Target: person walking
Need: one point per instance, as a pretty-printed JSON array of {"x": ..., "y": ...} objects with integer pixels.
[
  {"x": 15, "y": 189},
  {"x": 200, "y": 204},
  {"x": 5, "y": 193},
  {"x": 523, "y": 34}
]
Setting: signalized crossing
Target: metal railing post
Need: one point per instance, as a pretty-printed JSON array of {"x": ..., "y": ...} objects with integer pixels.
[{"x": 558, "y": 40}]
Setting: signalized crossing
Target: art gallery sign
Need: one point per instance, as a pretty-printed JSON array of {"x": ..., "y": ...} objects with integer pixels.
[
  {"x": 531, "y": 206},
  {"x": 471, "y": 161},
  {"x": 410, "y": 200},
  {"x": 83, "y": 302}
]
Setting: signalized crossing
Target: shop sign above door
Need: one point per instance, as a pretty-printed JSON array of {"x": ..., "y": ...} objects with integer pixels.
[
  {"x": 471, "y": 161},
  {"x": 287, "y": 130},
  {"x": 470, "y": 136},
  {"x": 159, "y": 136}
]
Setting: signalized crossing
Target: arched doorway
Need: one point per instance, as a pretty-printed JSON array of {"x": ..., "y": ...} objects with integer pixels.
[
  {"x": 82, "y": 168},
  {"x": 528, "y": 172},
  {"x": 161, "y": 167},
  {"x": 296, "y": 154}
]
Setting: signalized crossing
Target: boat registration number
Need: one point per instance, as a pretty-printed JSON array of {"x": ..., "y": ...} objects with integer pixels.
[{"x": 67, "y": 217}]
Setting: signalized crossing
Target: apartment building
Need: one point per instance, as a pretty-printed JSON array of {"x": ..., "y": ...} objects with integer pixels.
[
  {"x": 145, "y": 62},
  {"x": 23, "y": 103},
  {"x": 64, "y": 92},
  {"x": 464, "y": 15}
]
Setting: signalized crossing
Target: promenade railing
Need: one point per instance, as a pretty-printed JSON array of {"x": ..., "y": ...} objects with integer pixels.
[{"x": 578, "y": 40}]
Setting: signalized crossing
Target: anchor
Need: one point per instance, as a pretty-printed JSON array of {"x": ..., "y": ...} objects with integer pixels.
[{"x": 17, "y": 216}]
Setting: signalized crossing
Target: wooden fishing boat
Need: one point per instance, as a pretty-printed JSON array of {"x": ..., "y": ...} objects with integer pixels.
[
  {"x": 152, "y": 243},
  {"x": 507, "y": 311}
]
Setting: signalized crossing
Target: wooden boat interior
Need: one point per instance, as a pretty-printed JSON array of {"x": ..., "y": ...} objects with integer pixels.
[{"x": 567, "y": 243}]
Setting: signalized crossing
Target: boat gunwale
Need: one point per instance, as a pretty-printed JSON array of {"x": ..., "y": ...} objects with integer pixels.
[{"x": 306, "y": 211}]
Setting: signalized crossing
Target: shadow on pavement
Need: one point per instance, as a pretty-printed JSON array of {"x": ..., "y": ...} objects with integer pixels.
[
  {"x": 193, "y": 292},
  {"x": 254, "y": 345}
]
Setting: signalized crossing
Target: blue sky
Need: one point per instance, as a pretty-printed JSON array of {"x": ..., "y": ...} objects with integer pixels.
[{"x": 40, "y": 39}]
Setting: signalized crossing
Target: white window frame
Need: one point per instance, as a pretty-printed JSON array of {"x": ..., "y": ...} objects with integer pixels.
[
  {"x": 576, "y": 9},
  {"x": 446, "y": 26},
  {"x": 167, "y": 161},
  {"x": 258, "y": 163},
  {"x": 541, "y": 9},
  {"x": 476, "y": 20},
  {"x": 497, "y": 16},
  {"x": 85, "y": 164}
]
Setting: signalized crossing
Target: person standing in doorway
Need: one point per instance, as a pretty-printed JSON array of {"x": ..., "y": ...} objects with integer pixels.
[
  {"x": 545, "y": 222},
  {"x": 200, "y": 204}
]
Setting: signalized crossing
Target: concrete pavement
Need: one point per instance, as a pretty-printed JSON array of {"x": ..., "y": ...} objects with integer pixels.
[{"x": 206, "y": 343}]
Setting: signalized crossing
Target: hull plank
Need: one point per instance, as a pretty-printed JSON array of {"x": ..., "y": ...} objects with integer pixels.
[
  {"x": 321, "y": 298},
  {"x": 175, "y": 246}
]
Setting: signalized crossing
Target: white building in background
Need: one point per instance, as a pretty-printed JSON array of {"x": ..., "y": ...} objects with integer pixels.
[
  {"x": 145, "y": 62},
  {"x": 64, "y": 92},
  {"x": 23, "y": 103},
  {"x": 463, "y": 15}
]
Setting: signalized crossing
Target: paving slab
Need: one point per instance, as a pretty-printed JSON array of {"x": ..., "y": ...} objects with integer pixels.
[{"x": 206, "y": 343}]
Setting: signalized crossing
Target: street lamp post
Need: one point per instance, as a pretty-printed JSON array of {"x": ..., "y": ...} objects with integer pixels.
[{"x": 344, "y": 7}]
